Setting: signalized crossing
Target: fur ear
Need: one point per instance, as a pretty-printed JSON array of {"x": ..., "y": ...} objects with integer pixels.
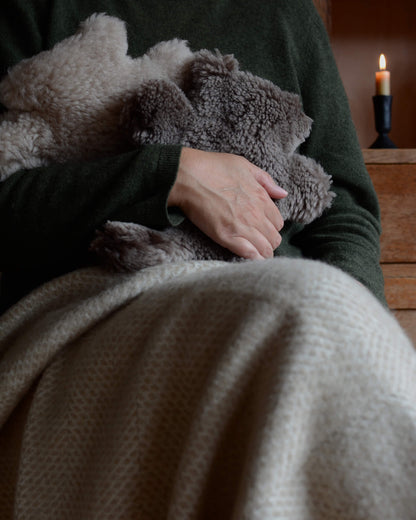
[
  {"x": 166, "y": 60},
  {"x": 100, "y": 39},
  {"x": 103, "y": 34},
  {"x": 207, "y": 64},
  {"x": 158, "y": 113},
  {"x": 281, "y": 111},
  {"x": 298, "y": 123}
]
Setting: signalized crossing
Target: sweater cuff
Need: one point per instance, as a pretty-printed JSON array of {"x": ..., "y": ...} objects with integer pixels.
[
  {"x": 148, "y": 194},
  {"x": 168, "y": 163}
]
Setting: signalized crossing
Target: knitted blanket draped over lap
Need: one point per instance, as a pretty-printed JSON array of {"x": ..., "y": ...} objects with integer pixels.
[{"x": 206, "y": 390}]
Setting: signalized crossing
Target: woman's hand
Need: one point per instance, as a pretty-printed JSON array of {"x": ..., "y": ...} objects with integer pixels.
[{"x": 230, "y": 200}]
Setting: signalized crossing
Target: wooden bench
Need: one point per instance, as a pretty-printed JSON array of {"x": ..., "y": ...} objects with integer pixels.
[{"x": 393, "y": 173}]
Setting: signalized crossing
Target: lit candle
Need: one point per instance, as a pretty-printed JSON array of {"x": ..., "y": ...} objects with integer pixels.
[{"x": 382, "y": 78}]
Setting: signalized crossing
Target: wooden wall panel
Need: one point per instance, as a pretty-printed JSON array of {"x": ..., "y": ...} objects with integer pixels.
[
  {"x": 359, "y": 32},
  {"x": 396, "y": 189}
]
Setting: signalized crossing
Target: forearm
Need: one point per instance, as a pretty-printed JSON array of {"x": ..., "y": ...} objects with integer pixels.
[
  {"x": 50, "y": 214},
  {"x": 348, "y": 239},
  {"x": 348, "y": 234}
]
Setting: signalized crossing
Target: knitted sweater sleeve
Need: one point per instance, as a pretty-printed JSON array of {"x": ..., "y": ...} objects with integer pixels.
[
  {"x": 48, "y": 215},
  {"x": 348, "y": 234}
]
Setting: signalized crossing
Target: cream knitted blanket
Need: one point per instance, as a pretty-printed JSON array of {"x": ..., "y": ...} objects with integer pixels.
[{"x": 263, "y": 390}]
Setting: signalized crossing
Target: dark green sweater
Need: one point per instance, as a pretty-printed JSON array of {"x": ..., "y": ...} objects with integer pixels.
[{"x": 48, "y": 215}]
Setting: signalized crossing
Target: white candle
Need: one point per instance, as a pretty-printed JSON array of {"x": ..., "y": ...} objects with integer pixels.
[{"x": 382, "y": 78}]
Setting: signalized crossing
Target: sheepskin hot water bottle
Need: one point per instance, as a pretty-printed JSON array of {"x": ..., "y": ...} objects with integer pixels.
[{"x": 86, "y": 98}]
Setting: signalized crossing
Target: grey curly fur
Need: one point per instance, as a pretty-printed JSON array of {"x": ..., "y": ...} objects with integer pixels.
[
  {"x": 220, "y": 108},
  {"x": 169, "y": 95}
]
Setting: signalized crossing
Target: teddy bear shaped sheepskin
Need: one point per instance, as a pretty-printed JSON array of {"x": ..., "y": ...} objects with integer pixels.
[
  {"x": 223, "y": 109},
  {"x": 86, "y": 98}
]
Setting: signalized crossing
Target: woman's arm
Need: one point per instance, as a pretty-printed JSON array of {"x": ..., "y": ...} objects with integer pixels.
[
  {"x": 48, "y": 215},
  {"x": 347, "y": 235}
]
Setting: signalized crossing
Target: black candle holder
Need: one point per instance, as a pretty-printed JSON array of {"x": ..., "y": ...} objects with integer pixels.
[{"x": 382, "y": 114}]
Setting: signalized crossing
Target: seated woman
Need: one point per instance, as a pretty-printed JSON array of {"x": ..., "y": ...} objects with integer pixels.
[{"x": 279, "y": 387}]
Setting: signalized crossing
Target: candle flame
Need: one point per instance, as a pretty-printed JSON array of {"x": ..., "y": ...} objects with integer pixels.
[{"x": 382, "y": 62}]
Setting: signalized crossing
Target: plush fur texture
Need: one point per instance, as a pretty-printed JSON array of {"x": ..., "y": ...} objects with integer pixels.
[
  {"x": 81, "y": 99},
  {"x": 65, "y": 103},
  {"x": 219, "y": 108},
  {"x": 224, "y": 109}
]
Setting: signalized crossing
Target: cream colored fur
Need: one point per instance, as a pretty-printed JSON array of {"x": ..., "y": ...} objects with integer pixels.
[{"x": 65, "y": 103}]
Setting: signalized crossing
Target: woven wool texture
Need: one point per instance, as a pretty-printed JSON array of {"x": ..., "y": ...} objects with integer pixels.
[{"x": 260, "y": 390}]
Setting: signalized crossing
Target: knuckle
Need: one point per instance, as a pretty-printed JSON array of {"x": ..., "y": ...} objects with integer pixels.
[
  {"x": 247, "y": 251},
  {"x": 264, "y": 246},
  {"x": 263, "y": 195},
  {"x": 277, "y": 241},
  {"x": 243, "y": 161},
  {"x": 232, "y": 230},
  {"x": 279, "y": 222},
  {"x": 240, "y": 162}
]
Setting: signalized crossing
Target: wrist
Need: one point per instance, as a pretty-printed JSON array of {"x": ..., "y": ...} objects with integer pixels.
[{"x": 181, "y": 187}]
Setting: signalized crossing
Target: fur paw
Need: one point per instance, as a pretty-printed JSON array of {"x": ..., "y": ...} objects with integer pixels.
[
  {"x": 168, "y": 59},
  {"x": 309, "y": 191},
  {"x": 128, "y": 247}
]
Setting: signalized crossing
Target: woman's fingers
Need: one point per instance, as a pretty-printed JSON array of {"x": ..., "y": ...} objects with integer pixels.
[
  {"x": 267, "y": 182},
  {"x": 230, "y": 200},
  {"x": 243, "y": 248}
]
